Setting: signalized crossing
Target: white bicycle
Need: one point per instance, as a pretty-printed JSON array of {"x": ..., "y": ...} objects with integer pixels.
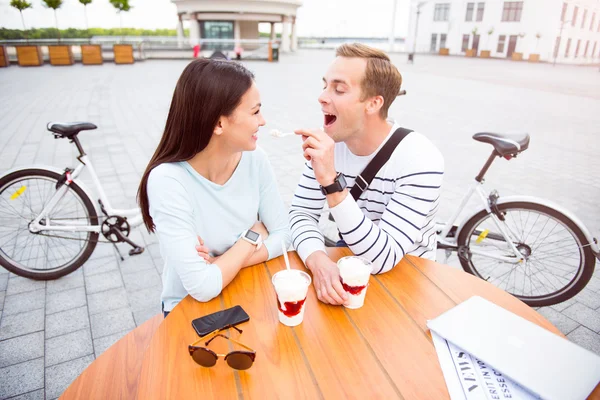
[
  {"x": 49, "y": 225},
  {"x": 529, "y": 247}
]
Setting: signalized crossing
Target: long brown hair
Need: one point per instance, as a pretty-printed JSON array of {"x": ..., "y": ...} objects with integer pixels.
[{"x": 206, "y": 90}]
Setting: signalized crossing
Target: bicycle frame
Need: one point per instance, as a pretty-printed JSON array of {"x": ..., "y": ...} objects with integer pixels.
[
  {"x": 133, "y": 215},
  {"x": 451, "y": 242}
]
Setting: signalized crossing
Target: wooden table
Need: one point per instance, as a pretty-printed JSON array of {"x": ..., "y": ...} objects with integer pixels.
[{"x": 382, "y": 350}]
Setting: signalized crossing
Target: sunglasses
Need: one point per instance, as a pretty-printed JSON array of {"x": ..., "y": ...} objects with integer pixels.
[{"x": 205, "y": 357}]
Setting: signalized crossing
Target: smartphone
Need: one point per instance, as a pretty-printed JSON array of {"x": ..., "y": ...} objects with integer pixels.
[{"x": 220, "y": 319}]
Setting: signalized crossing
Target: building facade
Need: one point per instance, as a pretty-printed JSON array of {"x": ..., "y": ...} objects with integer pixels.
[
  {"x": 567, "y": 31},
  {"x": 238, "y": 19}
]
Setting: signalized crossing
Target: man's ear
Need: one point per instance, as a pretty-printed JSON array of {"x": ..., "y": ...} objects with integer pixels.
[
  {"x": 219, "y": 127},
  {"x": 374, "y": 104}
]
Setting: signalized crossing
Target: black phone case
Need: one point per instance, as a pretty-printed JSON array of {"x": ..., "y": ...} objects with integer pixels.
[{"x": 220, "y": 319}]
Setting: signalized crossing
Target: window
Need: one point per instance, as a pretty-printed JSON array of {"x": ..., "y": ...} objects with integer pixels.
[
  {"x": 577, "y": 48},
  {"x": 501, "y": 40},
  {"x": 465, "y": 43},
  {"x": 592, "y": 23},
  {"x": 433, "y": 46},
  {"x": 469, "y": 16},
  {"x": 442, "y": 41},
  {"x": 594, "y": 49},
  {"x": 556, "y": 46},
  {"x": 563, "y": 14},
  {"x": 584, "y": 17},
  {"x": 567, "y": 48},
  {"x": 441, "y": 12},
  {"x": 512, "y": 11},
  {"x": 480, "y": 8},
  {"x": 574, "y": 18},
  {"x": 587, "y": 45}
]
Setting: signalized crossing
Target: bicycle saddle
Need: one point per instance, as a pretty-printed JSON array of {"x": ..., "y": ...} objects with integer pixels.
[
  {"x": 69, "y": 129},
  {"x": 504, "y": 144}
]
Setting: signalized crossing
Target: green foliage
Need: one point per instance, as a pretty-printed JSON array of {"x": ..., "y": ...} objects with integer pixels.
[
  {"x": 53, "y": 4},
  {"x": 72, "y": 33},
  {"x": 20, "y": 4},
  {"x": 121, "y": 5},
  {"x": 85, "y": 2}
]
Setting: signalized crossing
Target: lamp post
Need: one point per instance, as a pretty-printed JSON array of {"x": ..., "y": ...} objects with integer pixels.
[{"x": 411, "y": 56}]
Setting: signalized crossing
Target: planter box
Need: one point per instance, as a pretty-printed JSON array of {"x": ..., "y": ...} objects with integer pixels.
[
  {"x": 484, "y": 54},
  {"x": 444, "y": 51},
  {"x": 60, "y": 55},
  {"x": 534, "y": 58},
  {"x": 471, "y": 53},
  {"x": 29, "y": 56},
  {"x": 517, "y": 56},
  {"x": 4, "y": 62},
  {"x": 123, "y": 53},
  {"x": 91, "y": 54}
]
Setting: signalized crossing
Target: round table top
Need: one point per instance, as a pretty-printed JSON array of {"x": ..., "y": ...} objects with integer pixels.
[{"x": 382, "y": 350}]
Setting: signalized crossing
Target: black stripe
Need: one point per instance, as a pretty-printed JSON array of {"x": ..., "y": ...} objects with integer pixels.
[
  {"x": 396, "y": 201},
  {"x": 310, "y": 198},
  {"x": 427, "y": 245},
  {"x": 363, "y": 220},
  {"x": 308, "y": 166},
  {"x": 422, "y": 173},
  {"x": 309, "y": 177},
  {"x": 400, "y": 232},
  {"x": 372, "y": 211},
  {"x": 404, "y": 219},
  {"x": 375, "y": 190},
  {"x": 371, "y": 245},
  {"x": 384, "y": 261},
  {"x": 376, "y": 177},
  {"x": 300, "y": 220},
  {"x": 308, "y": 208},
  {"x": 310, "y": 237},
  {"x": 373, "y": 201},
  {"x": 299, "y": 213},
  {"x": 423, "y": 253},
  {"x": 309, "y": 188},
  {"x": 416, "y": 198},
  {"x": 421, "y": 186},
  {"x": 383, "y": 248},
  {"x": 301, "y": 226},
  {"x": 307, "y": 231},
  {"x": 363, "y": 238}
]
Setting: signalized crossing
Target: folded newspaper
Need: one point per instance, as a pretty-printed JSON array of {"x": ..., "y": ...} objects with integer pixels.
[{"x": 468, "y": 378}]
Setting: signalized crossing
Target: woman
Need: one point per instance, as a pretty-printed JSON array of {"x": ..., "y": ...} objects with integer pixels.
[{"x": 206, "y": 188}]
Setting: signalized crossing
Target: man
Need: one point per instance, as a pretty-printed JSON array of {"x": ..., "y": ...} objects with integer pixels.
[{"x": 394, "y": 216}]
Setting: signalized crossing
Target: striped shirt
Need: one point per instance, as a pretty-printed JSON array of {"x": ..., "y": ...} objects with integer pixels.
[{"x": 393, "y": 217}]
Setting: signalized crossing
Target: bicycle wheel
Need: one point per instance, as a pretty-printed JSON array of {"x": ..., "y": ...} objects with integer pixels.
[
  {"x": 558, "y": 259},
  {"x": 44, "y": 255}
]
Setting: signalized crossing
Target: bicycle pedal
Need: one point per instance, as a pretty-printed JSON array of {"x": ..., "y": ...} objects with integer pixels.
[{"x": 136, "y": 250}]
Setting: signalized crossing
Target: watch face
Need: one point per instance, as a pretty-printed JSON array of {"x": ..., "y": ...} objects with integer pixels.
[{"x": 253, "y": 236}]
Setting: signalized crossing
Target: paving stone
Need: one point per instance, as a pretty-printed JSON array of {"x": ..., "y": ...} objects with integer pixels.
[
  {"x": 68, "y": 347},
  {"x": 35, "y": 395},
  {"x": 2, "y": 297},
  {"x": 109, "y": 322},
  {"x": 3, "y": 280},
  {"x": 141, "y": 280},
  {"x": 23, "y": 302},
  {"x": 561, "y": 321},
  {"x": 108, "y": 300},
  {"x": 100, "y": 265},
  {"x": 65, "y": 300},
  {"x": 66, "y": 322},
  {"x": 71, "y": 281},
  {"x": 21, "y": 285},
  {"x": 21, "y": 324},
  {"x": 102, "y": 282},
  {"x": 21, "y": 378},
  {"x": 586, "y": 339},
  {"x": 145, "y": 298},
  {"x": 584, "y": 315},
  {"x": 142, "y": 316},
  {"x": 588, "y": 298},
  {"x": 60, "y": 376},
  {"x": 21, "y": 348},
  {"x": 103, "y": 343}
]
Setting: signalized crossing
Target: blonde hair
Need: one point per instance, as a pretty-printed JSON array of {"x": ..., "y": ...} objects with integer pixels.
[{"x": 382, "y": 78}]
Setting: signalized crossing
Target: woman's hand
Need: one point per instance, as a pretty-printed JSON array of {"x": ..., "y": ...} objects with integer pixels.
[
  {"x": 260, "y": 228},
  {"x": 203, "y": 251}
]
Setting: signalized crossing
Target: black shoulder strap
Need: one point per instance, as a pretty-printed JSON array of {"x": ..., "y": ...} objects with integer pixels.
[{"x": 364, "y": 179}]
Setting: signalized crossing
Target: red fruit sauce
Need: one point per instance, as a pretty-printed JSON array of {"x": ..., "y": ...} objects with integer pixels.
[{"x": 292, "y": 308}]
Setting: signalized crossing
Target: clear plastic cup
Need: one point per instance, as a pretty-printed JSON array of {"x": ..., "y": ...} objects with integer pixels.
[
  {"x": 354, "y": 275},
  {"x": 291, "y": 287}
]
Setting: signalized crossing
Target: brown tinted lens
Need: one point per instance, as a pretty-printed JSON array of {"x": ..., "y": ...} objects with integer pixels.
[
  {"x": 239, "y": 360},
  {"x": 204, "y": 357}
]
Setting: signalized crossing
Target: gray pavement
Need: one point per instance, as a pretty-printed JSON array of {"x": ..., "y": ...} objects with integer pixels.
[{"x": 51, "y": 331}]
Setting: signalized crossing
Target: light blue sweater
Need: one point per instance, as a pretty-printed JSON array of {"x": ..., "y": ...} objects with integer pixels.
[{"x": 185, "y": 205}]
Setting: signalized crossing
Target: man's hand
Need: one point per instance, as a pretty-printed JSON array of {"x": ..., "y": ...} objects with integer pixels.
[
  {"x": 326, "y": 279},
  {"x": 318, "y": 148}
]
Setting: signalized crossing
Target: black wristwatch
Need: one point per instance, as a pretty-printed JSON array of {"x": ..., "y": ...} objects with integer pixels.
[{"x": 339, "y": 184}]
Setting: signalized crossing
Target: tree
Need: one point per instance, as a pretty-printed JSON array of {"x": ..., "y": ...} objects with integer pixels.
[
  {"x": 489, "y": 34},
  {"x": 21, "y": 5},
  {"x": 121, "y": 5},
  {"x": 85, "y": 3},
  {"x": 537, "y": 40},
  {"x": 55, "y": 5},
  {"x": 474, "y": 32}
]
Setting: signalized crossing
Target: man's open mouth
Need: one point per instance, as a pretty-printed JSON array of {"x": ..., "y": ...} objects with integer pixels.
[{"x": 329, "y": 119}]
